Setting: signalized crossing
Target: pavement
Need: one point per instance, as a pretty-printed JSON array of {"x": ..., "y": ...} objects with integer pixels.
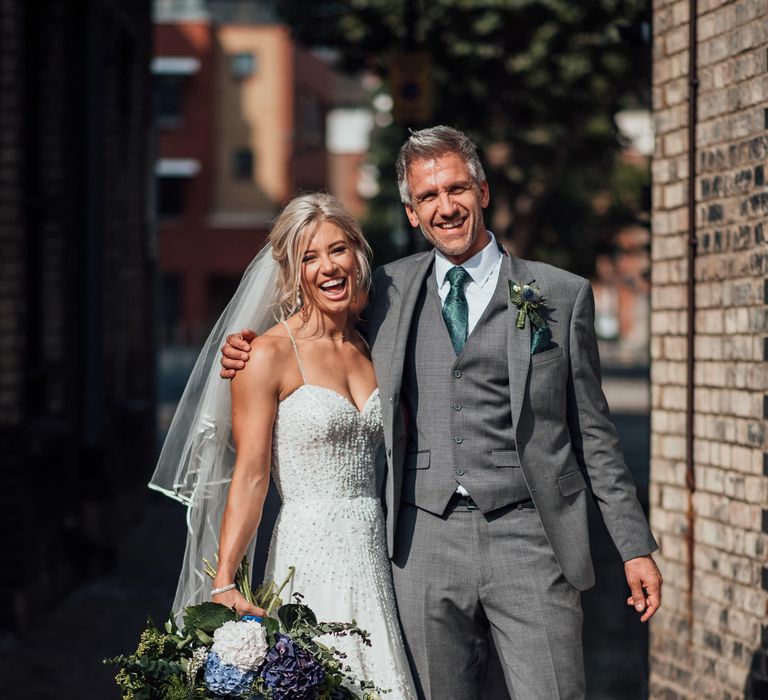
[
  {"x": 627, "y": 396},
  {"x": 61, "y": 657}
]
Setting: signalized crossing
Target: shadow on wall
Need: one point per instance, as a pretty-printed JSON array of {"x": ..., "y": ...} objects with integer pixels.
[{"x": 756, "y": 685}]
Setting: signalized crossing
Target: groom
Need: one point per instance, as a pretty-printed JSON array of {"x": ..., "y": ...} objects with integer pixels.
[{"x": 496, "y": 429}]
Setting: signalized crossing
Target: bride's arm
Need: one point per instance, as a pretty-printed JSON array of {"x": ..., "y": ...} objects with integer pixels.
[{"x": 255, "y": 391}]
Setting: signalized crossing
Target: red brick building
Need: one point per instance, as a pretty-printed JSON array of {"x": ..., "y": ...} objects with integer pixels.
[{"x": 241, "y": 127}]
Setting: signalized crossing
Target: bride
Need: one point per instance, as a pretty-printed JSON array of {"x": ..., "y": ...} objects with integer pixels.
[{"x": 306, "y": 411}]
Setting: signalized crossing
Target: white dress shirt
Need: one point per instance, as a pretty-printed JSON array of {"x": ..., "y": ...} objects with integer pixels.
[{"x": 483, "y": 269}]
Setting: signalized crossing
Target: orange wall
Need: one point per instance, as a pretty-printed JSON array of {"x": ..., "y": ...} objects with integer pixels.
[{"x": 255, "y": 112}]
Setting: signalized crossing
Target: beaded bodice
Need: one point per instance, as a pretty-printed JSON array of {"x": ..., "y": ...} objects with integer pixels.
[{"x": 323, "y": 447}]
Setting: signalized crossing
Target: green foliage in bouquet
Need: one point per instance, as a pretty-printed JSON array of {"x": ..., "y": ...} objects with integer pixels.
[
  {"x": 169, "y": 663},
  {"x": 159, "y": 658}
]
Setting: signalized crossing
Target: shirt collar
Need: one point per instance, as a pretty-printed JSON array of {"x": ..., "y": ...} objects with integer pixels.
[{"x": 479, "y": 266}]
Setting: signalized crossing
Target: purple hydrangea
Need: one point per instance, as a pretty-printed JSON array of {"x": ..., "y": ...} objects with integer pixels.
[
  {"x": 290, "y": 672},
  {"x": 223, "y": 679}
]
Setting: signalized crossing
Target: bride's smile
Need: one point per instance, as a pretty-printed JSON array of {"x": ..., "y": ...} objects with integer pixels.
[{"x": 328, "y": 269}]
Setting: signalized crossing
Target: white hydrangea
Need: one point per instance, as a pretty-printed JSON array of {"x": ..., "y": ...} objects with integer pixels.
[{"x": 242, "y": 644}]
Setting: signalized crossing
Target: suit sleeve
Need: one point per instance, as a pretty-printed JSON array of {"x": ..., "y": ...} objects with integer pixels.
[
  {"x": 595, "y": 439},
  {"x": 371, "y": 317}
]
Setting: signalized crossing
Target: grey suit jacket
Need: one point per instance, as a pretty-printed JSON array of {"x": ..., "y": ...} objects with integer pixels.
[{"x": 564, "y": 437}]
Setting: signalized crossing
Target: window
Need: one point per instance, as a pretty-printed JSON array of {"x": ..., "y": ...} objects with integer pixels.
[
  {"x": 171, "y": 195},
  {"x": 242, "y": 65},
  {"x": 242, "y": 164},
  {"x": 168, "y": 100}
]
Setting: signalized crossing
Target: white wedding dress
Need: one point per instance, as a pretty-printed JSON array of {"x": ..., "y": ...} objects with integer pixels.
[{"x": 331, "y": 526}]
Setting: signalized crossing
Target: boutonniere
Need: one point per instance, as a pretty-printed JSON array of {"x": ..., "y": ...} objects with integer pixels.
[
  {"x": 528, "y": 299},
  {"x": 530, "y": 303}
]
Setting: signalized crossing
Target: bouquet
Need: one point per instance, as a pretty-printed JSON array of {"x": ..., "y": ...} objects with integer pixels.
[{"x": 216, "y": 654}]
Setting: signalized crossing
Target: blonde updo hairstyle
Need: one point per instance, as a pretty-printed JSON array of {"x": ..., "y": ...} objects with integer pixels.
[{"x": 290, "y": 236}]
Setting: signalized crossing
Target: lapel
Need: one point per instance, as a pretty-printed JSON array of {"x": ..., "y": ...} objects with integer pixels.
[
  {"x": 408, "y": 298},
  {"x": 518, "y": 339}
]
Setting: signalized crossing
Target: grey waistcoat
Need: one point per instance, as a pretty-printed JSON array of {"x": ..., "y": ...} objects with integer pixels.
[{"x": 459, "y": 421}]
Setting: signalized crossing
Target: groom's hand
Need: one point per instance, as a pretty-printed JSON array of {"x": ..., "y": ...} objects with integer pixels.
[
  {"x": 644, "y": 579},
  {"x": 235, "y": 352}
]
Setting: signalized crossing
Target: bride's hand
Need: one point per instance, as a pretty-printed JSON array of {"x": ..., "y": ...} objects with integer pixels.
[
  {"x": 235, "y": 599},
  {"x": 235, "y": 352}
]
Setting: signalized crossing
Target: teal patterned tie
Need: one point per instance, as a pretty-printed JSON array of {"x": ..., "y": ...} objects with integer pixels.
[{"x": 455, "y": 309}]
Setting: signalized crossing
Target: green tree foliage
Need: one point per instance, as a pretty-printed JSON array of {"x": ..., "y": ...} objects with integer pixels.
[{"x": 535, "y": 82}]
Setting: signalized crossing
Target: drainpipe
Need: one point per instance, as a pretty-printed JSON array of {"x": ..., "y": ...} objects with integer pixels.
[{"x": 690, "y": 477}]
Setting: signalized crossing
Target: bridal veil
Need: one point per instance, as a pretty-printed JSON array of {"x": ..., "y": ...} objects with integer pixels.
[{"x": 198, "y": 455}]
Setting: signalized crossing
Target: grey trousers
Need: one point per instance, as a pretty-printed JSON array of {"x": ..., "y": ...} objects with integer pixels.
[{"x": 464, "y": 577}]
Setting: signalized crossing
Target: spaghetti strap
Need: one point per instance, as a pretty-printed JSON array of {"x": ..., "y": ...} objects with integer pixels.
[{"x": 296, "y": 351}]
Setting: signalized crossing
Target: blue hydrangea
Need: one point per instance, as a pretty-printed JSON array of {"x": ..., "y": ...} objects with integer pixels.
[
  {"x": 223, "y": 679},
  {"x": 290, "y": 672},
  {"x": 529, "y": 294}
]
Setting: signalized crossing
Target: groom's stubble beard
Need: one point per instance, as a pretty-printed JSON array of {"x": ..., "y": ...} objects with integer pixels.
[{"x": 451, "y": 252}]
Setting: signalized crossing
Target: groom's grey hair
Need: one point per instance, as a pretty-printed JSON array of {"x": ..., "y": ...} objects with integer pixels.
[{"x": 434, "y": 142}]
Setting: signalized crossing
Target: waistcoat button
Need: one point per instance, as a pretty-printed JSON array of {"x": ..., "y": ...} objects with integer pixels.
[
  {"x": 457, "y": 373},
  {"x": 457, "y": 407},
  {"x": 460, "y": 471},
  {"x": 459, "y": 440}
]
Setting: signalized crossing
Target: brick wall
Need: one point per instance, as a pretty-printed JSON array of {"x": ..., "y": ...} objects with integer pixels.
[
  {"x": 13, "y": 282},
  {"x": 711, "y": 642},
  {"x": 76, "y": 274},
  {"x": 11, "y": 214}
]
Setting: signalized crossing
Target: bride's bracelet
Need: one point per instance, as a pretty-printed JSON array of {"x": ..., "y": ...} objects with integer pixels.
[{"x": 223, "y": 589}]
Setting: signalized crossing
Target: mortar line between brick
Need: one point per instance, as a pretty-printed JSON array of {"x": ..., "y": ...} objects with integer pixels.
[{"x": 690, "y": 475}]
